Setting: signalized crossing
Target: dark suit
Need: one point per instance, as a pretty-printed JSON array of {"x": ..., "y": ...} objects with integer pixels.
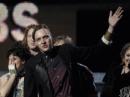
[{"x": 65, "y": 56}]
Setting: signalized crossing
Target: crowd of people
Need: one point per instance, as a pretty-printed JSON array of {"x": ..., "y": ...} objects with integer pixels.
[{"x": 40, "y": 66}]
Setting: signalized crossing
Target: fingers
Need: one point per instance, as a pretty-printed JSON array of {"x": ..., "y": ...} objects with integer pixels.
[
  {"x": 120, "y": 17},
  {"x": 119, "y": 12},
  {"x": 110, "y": 14},
  {"x": 12, "y": 68}
]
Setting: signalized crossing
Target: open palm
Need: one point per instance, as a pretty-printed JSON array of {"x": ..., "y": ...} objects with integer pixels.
[{"x": 113, "y": 19}]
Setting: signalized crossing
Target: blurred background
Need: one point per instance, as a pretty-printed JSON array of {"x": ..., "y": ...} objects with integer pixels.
[{"x": 84, "y": 20}]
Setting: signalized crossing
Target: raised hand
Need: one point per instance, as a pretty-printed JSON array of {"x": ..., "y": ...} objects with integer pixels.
[
  {"x": 12, "y": 68},
  {"x": 114, "y": 18}
]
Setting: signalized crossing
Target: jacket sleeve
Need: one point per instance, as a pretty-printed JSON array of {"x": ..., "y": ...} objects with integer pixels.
[
  {"x": 36, "y": 79},
  {"x": 84, "y": 54},
  {"x": 30, "y": 89}
]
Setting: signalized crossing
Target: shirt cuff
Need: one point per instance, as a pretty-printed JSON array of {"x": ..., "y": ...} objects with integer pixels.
[{"x": 104, "y": 40}]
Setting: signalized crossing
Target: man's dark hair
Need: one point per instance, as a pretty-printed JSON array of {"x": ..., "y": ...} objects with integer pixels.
[{"x": 19, "y": 50}]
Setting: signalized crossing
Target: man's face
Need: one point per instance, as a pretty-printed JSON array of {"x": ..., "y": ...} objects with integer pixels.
[
  {"x": 43, "y": 40},
  {"x": 30, "y": 40},
  {"x": 15, "y": 60}
]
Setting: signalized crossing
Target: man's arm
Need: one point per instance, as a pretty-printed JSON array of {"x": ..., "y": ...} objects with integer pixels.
[{"x": 112, "y": 20}]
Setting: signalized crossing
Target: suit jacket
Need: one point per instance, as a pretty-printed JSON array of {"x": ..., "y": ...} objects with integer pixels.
[{"x": 71, "y": 55}]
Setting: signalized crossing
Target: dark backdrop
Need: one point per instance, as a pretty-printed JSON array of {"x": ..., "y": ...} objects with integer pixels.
[
  {"x": 91, "y": 25},
  {"x": 84, "y": 20}
]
